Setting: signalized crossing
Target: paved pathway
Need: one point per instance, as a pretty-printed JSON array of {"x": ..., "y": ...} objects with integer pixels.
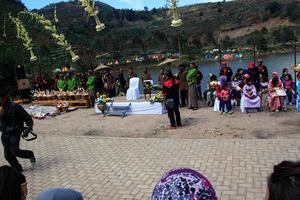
[{"x": 121, "y": 168}]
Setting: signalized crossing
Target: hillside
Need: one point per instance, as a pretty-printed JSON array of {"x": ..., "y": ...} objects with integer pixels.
[{"x": 132, "y": 31}]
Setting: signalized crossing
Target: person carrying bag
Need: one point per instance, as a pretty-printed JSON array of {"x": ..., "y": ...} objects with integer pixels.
[{"x": 171, "y": 96}]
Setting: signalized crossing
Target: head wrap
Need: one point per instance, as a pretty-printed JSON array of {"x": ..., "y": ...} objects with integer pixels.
[
  {"x": 223, "y": 80},
  {"x": 275, "y": 74},
  {"x": 247, "y": 76},
  {"x": 184, "y": 184}
]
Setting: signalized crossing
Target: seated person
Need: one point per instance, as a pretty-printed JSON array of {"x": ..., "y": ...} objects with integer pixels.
[
  {"x": 12, "y": 183},
  {"x": 251, "y": 99},
  {"x": 236, "y": 90},
  {"x": 210, "y": 93},
  {"x": 275, "y": 100},
  {"x": 263, "y": 91},
  {"x": 289, "y": 87}
]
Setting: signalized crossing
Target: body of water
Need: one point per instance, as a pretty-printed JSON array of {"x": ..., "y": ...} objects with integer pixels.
[{"x": 275, "y": 63}]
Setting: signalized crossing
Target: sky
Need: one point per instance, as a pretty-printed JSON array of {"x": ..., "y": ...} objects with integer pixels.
[{"x": 131, "y": 4}]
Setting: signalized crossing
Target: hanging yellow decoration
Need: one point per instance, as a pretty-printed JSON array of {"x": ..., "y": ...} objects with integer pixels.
[
  {"x": 58, "y": 37},
  {"x": 24, "y": 36},
  {"x": 55, "y": 15},
  {"x": 4, "y": 28},
  {"x": 93, "y": 11},
  {"x": 176, "y": 22}
]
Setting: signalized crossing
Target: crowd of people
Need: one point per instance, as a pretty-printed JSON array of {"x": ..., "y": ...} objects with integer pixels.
[
  {"x": 182, "y": 183},
  {"x": 250, "y": 89}
]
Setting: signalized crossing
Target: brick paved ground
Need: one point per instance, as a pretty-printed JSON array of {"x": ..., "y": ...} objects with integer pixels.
[{"x": 121, "y": 168}]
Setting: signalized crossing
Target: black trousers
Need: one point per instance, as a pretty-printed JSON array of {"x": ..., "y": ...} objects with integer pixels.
[
  {"x": 183, "y": 97},
  {"x": 11, "y": 144},
  {"x": 172, "y": 113}
]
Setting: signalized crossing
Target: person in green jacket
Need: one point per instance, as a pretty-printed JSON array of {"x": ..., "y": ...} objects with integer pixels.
[
  {"x": 192, "y": 82},
  {"x": 72, "y": 83},
  {"x": 62, "y": 84},
  {"x": 91, "y": 87}
]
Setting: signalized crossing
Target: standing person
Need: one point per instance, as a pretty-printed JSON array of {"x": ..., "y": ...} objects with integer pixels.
[
  {"x": 289, "y": 87},
  {"x": 262, "y": 69},
  {"x": 171, "y": 96},
  {"x": 72, "y": 83},
  {"x": 13, "y": 185},
  {"x": 183, "y": 85},
  {"x": 161, "y": 77},
  {"x": 131, "y": 74},
  {"x": 223, "y": 94},
  {"x": 192, "y": 91},
  {"x": 122, "y": 82},
  {"x": 12, "y": 119},
  {"x": 146, "y": 75},
  {"x": 298, "y": 92},
  {"x": 109, "y": 83},
  {"x": 226, "y": 71},
  {"x": 275, "y": 102},
  {"x": 199, "y": 79},
  {"x": 90, "y": 84},
  {"x": 81, "y": 81},
  {"x": 99, "y": 85},
  {"x": 62, "y": 84},
  {"x": 254, "y": 74}
]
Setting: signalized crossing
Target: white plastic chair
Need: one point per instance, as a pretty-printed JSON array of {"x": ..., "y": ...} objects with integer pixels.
[{"x": 133, "y": 93}]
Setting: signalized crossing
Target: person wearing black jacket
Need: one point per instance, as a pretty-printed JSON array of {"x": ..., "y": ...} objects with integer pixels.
[
  {"x": 171, "y": 96},
  {"x": 226, "y": 71},
  {"x": 12, "y": 119}
]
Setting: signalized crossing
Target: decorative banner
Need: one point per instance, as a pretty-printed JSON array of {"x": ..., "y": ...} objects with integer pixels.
[
  {"x": 24, "y": 36},
  {"x": 93, "y": 12},
  {"x": 55, "y": 15},
  {"x": 4, "y": 28},
  {"x": 58, "y": 37},
  {"x": 176, "y": 22}
]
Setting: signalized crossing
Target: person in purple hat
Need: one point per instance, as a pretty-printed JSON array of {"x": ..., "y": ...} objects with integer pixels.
[{"x": 183, "y": 184}]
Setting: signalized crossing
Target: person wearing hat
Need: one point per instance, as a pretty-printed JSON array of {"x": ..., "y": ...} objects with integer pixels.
[
  {"x": 254, "y": 74},
  {"x": 12, "y": 119},
  {"x": 183, "y": 184}
]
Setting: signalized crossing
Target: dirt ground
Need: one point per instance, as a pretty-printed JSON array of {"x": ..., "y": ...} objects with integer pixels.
[{"x": 200, "y": 124}]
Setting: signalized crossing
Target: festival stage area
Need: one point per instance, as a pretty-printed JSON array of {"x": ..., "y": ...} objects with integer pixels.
[{"x": 138, "y": 107}]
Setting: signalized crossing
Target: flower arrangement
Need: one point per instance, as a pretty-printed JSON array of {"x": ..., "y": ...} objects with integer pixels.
[
  {"x": 157, "y": 98},
  {"x": 58, "y": 37},
  {"x": 24, "y": 36},
  {"x": 103, "y": 98},
  {"x": 93, "y": 11}
]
